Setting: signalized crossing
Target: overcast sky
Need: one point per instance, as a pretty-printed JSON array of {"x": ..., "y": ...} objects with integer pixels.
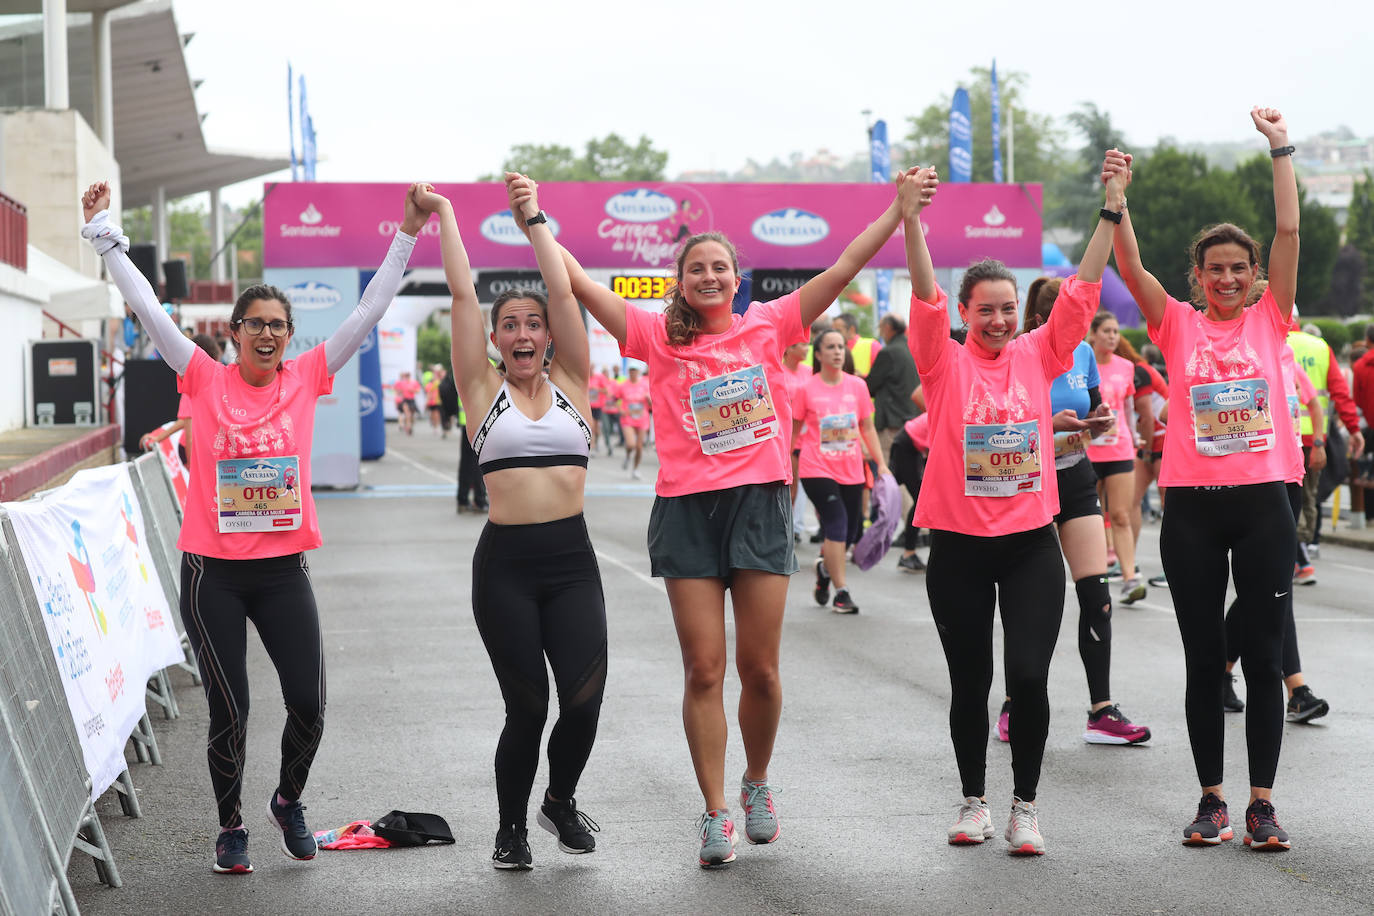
[{"x": 435, "y": 90}]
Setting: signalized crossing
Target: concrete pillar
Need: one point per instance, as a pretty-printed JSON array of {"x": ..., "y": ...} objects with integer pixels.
[
  {"x": 216, "y": 236},
  {"x": 55, "y": 83},
  {"x": 160, "y": 234},
  {"x": 102, "y": 78}
]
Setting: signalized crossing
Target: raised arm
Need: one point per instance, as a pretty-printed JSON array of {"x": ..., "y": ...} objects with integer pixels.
[
  {"x": 606, "y": 307},
  {"x": 475, "y": 376},
  {"x": 929, "y": 325},
  {"x": 1148, "y": 293},
  {"x": 1283, "y": 253},
  {"x": 111, "y": 244},
  {"x": 380, "y": 291},
  {"x": 1115, "y": 171},
  {"x": 821, "y": 290},
  {"x": 571, "y": 351}
]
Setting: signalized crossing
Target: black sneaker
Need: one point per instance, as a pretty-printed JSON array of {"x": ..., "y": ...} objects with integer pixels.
[
  {"x": 231, "y": 852},
  {"x": 1303, "y": 706},
  {"x": 912, "y": 564},
  {"x": 822, "y": 592},
  {"x": 1262, "y": 830},
  {"x": 296, "y": 839},
  {"x": 572, "y": 827},
  {"x": 1211, "y": 826},
  {"x": 512, "y": 849},
  {"x": 843, "y": 604},
  {"x": 1230, "y": 702}
]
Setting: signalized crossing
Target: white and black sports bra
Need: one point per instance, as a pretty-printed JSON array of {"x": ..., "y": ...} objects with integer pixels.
[{"x": 509, "y": 439}]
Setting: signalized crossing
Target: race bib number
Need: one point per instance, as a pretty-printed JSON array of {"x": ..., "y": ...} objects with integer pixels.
[
  {"x": 1232, "y": 417},
  {"x": 1002, "y": 459},
  {"x": 1069, "y": 448},
  {"x": 258, "y": 494},
  {"x": 733, "y": 410},
  {"x": 839, "y": 433},
  {"x": 635, "y": 408},
  {"x": 1109, "y": 437}
]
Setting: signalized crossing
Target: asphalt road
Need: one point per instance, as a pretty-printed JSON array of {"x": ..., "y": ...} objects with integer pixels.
[{"x": 863, "y": 756}]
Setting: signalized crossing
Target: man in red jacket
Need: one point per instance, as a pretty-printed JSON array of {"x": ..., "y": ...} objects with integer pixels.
[{"x": 1363, "y": 393}]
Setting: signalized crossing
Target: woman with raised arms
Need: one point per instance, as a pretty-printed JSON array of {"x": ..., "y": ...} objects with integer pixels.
[
  {"x": 250, "y": 516},
  {"x": 990, "y": 497},
  {"x": 722, "y": 518},
  {"x": 1229, "y": 450},
  {"x": 536, "y": 588}
]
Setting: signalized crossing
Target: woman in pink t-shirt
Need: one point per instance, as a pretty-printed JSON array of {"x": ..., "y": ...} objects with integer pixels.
[
  {"x": 722, "y": 520},
  {"x": 597, "y": 386},
  {"x": 249, "y": 515},
  {"x": 989, "y": 496},
  {"x": 1225, "y": 462},
  {"x": 837, "y": 412},
  {"x": 634, "y": 418}
]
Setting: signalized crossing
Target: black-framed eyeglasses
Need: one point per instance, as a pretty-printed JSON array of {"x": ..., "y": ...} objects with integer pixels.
[{"x": 277, "y": 326}]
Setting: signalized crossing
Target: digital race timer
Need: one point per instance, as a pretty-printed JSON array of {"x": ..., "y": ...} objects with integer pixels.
[{"x": 641, "y": 287}]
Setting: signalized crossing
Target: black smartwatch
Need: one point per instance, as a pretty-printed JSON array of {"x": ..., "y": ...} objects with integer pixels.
[{"x": 537, "y": 218}]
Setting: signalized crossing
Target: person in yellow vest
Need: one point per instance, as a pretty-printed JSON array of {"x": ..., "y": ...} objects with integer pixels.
[
  {"x": 1318, "y": 360},
  {"x": 863, "y": 348}
]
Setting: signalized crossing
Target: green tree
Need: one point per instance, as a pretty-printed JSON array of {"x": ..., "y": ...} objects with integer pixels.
[
  {"x": 1076, "y": 194},
  {"x": 608, "y": 159},
  {"x": 1174, "y": 195},
  {"x": 1321, "y": 238},
  {"x": 433, "y": 344},
  {"x": 1347, "y": 277},
  {"x": 188, "y": 230},
  {"x": 1359, "y": 233}
]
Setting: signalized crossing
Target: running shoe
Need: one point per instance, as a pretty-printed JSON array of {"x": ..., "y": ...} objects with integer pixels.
[
  {"x": 760, "y": 817},
  {"x": 1132, "y": 591},
  {"x": 625, "y": 465},
  {"x": 231, "y": 852},
  {"x": 636, "y": 475},
  {"x": 1004, "y": 722},
  {"x": 1211, "y": 826},
  {"x": 1159, "y": 581},
  {"x": 1314, "y": 550},
  {"x": 973, "y": 825},
  {"x": 1262, "y": 830},
  {"x": 1303, "y": 706},
  {"x": 297, "y": 840},
  {"x": 1023, "y": 830},
  {"x": 717, "y": 839},
  {"x": 911, "y": 564},
  {"x": 1230, "y": 702},
  {"x": 1304, "y": 575},
  {"x": 1109, "y": 725},
  {"x": 822, "y": 592},
  {"x": 572, "y": 827},
  {"x": 843, "y": 604},
  {"x": 1114, "y": 571},
  {"x": 512, "y": 849}
]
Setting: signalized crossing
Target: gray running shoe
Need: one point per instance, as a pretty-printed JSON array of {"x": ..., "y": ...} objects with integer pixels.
[
  {"x": 974, "y": 824},
  {"x": 1023, "y": 830},
  {"x": 1132, "y": 591},
  {"x": 717, "y": 839},
  {"x": 760, "y": 817}
]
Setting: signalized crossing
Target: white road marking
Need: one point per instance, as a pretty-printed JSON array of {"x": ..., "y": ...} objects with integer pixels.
[
  {"x": 428, "y": 470},
  {"x": 647, "y": 580}
]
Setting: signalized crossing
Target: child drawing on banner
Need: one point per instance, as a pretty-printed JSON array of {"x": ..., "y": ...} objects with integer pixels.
[
  {"x": 85, "y": 578},
  {"x": 131, "y": 532}
]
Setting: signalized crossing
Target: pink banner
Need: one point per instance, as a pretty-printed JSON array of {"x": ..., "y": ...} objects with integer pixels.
[{"x": 620, "y": 225}]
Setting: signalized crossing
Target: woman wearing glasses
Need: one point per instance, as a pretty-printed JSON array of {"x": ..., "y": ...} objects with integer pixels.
[{"x": 250, "y": 517}]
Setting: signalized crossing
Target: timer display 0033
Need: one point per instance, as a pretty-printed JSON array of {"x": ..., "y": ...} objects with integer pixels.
[{"x": 635, "y": 286}]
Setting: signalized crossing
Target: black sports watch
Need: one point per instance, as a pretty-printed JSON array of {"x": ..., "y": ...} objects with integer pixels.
[{"x": 537, "y": 218}]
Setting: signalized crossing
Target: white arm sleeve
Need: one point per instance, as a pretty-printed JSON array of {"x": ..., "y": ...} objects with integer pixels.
[
  {"x": 381, "y": 289},
  {"x": 111, "y": 244}
]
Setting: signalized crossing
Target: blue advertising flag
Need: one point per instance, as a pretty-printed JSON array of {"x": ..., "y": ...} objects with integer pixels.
[
  {"x": 307, "y": 138},
  {"x": 291, "y": 120},
  {"x": 996, "y": 128},
  {"x": 960, "y": 139},
  {"x": 882, "y": 173}
]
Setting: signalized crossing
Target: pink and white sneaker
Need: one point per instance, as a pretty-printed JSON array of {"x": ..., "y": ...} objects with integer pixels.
[
  {"x": 1004, "y": 722},
  {"x": 1109, "y": 725}
]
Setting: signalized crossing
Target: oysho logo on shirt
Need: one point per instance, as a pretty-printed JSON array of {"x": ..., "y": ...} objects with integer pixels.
[
  {"x": 641, "y": 205},
  {"x": 790, "y": 226}
]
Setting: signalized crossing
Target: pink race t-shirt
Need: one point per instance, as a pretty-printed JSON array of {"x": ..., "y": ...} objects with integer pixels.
[
  {"x": 795, "y": 379},
  {"x": 597, "y": 384},
  {"x": 1226, "y": 392},
  {"x": 634, "y": 404},
  {"x": 742, "y": 395},
  {"x": 833, "y": 415},
  {"x": 235, "y": 421},
  {"x": 1117, "y": 387},
  {"x": 918, "y": 430},
  {"x": 184, "y": 408},
  {"x": 406, "y": 389},
  {"x": 980, "y": 406}
]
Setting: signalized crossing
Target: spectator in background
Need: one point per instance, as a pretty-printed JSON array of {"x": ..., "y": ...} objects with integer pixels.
[
  {"x": 863, "y": 348},
  {"x": 1363, "y": 391},
  {"x": 891, "y": 381}
]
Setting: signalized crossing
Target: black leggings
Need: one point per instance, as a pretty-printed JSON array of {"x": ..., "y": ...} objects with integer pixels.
[
  {"x": 218, "y": 597},
  {"x": 1291, "y": 661},
  {"x": 908, "y": 467},
  {"x": 838, "y": 506},
  {"x": 1209, "y": 535},
  {"x": 536, "y": 591},
  {"x": 967, "y": 577}
]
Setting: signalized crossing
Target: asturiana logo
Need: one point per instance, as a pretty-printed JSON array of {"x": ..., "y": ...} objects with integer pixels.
[
  {"x": 501, "y": 229},
  {"x": 310, "y": 216},
  {"x": 1232, "y": 397},
  {"x": 313, "y": 295},
  {"x": 730, "y": 390},
  {"x": 641, "y": 205},
  {"x": 367, "y": 400},
  {"x": 790, "y": 226},
  {"x": 1007, "y": 439},
  {"x": 258, "y": 473}
]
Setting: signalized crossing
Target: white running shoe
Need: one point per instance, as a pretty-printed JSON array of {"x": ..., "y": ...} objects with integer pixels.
[
  {"x": 974, "y": 824},
  {"x": 1023, "y": 830}
]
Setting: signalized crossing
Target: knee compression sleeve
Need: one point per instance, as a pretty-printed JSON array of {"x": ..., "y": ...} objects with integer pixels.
[{"x": 1095, "y": 635}]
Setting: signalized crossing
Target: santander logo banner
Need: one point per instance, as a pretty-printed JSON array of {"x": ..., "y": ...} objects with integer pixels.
[{"x": 625, "y": 225}]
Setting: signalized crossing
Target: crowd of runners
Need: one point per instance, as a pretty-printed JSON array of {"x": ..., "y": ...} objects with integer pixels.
[{"x": 1011, "y": 434}]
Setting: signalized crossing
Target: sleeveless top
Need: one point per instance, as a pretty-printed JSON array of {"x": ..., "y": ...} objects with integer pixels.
[{"x": 509, "y": 439}]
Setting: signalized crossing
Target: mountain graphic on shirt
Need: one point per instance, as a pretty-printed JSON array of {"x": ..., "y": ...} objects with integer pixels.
[{"x": 984, "y": 406}]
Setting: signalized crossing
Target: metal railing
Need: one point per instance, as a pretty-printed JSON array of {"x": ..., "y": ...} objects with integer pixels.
[{"x": 14, "y": 233}]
